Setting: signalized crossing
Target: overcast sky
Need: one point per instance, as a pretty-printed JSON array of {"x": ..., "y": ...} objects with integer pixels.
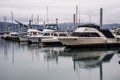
[{"x": 61, "y": 9}]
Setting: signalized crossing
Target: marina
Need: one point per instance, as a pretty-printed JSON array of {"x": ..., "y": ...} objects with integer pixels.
[
  {"x": 59, "y": 40},
  {"x": 88, "y": 35}
]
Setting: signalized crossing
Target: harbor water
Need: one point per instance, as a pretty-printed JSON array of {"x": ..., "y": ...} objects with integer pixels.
[{"x": 23, "y": 61}]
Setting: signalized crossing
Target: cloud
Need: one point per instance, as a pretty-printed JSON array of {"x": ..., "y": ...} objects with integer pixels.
[{"x": 61, "y": 9}]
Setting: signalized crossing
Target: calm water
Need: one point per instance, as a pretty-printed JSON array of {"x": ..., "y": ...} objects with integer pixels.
[{"x": 20, "y": 61}]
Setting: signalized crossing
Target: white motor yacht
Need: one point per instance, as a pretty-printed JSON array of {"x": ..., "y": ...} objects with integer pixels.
[
  {"x": 34, "y": 35},
  {"x": 88, "y": 35},
  {"x": 53, "y": 39}
]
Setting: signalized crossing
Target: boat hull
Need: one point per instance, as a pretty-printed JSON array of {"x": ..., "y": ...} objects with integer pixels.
[
  {"x": 34, "y": 39},
  {"x": 51, "y": 42},
  {"x": 89, "y": 42},
  {"x": 23, "y": 38}
]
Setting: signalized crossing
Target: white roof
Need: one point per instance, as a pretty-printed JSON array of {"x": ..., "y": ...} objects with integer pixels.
[
  {"x": 33, "y": 30},
  {"x": 48, "y": 30},
  {"x": 14, "y": 33},
  {"x": 85, "y": 29}
]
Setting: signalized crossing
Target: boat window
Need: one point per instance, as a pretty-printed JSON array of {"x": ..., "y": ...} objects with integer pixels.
[
  {"x": 55, "y": 34},
  {"x": 47, "y": 34},
  {"x": 63, "y": 35},
  {"x": 77, "y": 34},
  {"x": 34, "y": 33},
  {"x": 30, "y": 34},
  {"x": 52, "y": 34},
  {"x": 14, "y": 35},
  {"x": 107, "y": 33},
  {"x": 39, "y": 33}
]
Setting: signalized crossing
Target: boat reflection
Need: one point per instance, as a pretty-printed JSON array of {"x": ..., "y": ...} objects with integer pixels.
[
  {"x": 90, "y": 60},
  {"x": 52, "y": 53}
]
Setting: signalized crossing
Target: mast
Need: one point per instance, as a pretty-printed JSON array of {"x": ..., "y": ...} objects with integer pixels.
[
  {"x": 38, "y": 19},
  {"x": 79, "y": 12},
  {"x": 12, "y": 21},
  {"x": 74, "y": 22},
  {"x": 57, "y": 21},
  {"x": 5, "y": 27},
  {"x": 32, "y": 19},
  {"x": 101, "y": 17},
  {"x": 76, "y": 16}
]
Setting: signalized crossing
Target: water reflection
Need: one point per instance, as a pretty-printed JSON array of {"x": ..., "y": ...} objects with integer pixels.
[
  {"x": 89, "y": 60},
  {"x": 79, "y": 64}
]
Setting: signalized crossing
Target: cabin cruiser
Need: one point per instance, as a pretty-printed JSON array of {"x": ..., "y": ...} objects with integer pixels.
[
  {"x": 88, "y": 35},
  {"x": 13, "y": 36},
  {"x": 34, "y": 35},
  {"x": 53, "y": 38},
  {"x": 5, "y": 35},
  {"x": 10, "y": 36}
]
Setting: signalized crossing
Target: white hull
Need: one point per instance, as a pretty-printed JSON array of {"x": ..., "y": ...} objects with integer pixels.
[
  {"x": 34, "y": 39},
  {"x": 50, "y": 40},
  {"x": 38, "y": 39},
  {"x": 23, "y": 38},
  {"x": 83, "y": 41}
]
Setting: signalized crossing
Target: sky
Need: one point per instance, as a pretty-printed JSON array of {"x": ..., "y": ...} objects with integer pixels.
[{"x": 61, "y": 9}]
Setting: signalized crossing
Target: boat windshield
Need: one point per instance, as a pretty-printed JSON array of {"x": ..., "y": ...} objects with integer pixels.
[{"x": 86, "y": 34}]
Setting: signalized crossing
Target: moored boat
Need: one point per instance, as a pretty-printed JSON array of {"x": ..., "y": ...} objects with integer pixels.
[
  {"x": 34, "y": 35},
  {"x": 53, "y": 40},
  {"x": 89, "y": 35}
]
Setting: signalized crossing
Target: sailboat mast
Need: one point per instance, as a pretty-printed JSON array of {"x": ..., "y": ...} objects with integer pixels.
[
  {"x": 37, "y": 19},
  {"x": 5, "y": 27},
  {"x": 79, "y": 12},
  {"x": 12, "y": 21},
  {"x": 76, "y": 16},
  {"x": 32, "y": 19},
  {"x": 101, "y": 17}
]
